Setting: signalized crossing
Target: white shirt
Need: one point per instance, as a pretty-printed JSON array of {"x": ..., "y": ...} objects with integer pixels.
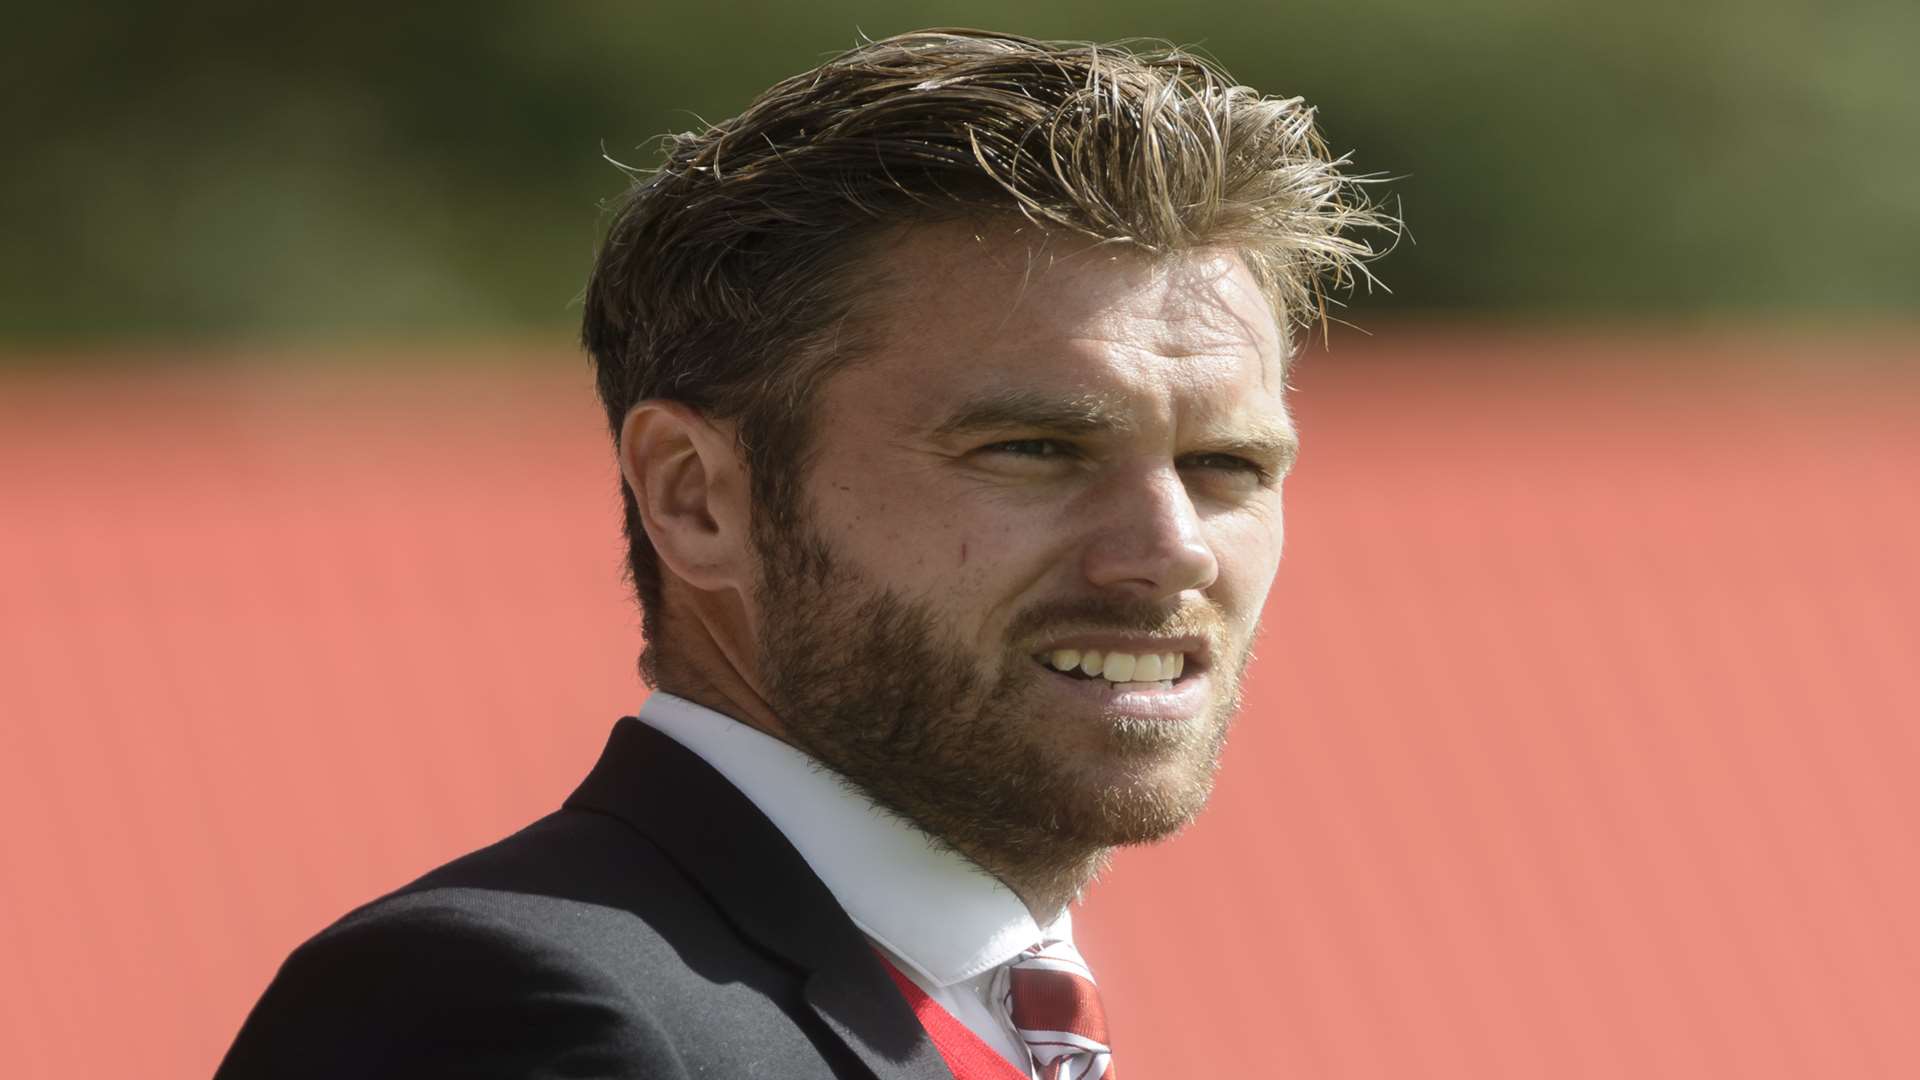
[{"x": 946, "y": 924}]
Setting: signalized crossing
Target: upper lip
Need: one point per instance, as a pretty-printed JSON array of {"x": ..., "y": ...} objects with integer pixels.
[{"x": 1195, "y": 649}]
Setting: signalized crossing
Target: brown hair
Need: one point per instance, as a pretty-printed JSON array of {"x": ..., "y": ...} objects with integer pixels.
[{"x": 728, "y": 277}]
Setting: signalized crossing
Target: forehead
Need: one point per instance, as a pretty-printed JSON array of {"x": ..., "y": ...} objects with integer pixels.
[{"x": 960, "y": 311}]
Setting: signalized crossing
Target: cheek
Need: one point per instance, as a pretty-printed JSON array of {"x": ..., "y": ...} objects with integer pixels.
[
  {"x": 1247, "y": 548},
  {"x": 980, "y": 567},
  {"x": 984, "y": 555},
  {"x": 911, "y": 535}
]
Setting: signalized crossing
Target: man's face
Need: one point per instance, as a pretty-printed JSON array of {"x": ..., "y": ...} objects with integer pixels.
[{"x": 1044, "y": 458}]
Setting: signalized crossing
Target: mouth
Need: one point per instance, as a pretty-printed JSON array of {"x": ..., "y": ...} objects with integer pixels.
[{"x": 1143, "y": 669}]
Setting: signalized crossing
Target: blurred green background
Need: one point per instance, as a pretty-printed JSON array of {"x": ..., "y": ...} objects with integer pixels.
[{"x": 372, "y": 171}]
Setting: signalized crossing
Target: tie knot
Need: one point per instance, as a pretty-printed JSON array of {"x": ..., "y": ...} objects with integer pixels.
[{"x": 1056, "y": 1009}]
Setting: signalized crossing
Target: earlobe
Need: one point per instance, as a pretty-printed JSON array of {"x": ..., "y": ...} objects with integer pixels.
[{"x": 689, "y": 484}]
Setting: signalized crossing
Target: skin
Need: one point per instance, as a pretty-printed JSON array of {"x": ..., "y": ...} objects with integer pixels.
[{"x": 1049, "y": 445}]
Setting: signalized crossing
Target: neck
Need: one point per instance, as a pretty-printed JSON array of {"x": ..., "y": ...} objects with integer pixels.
[
  {"x": 1046, "y": 882},
  {"x": 702, "y": 667},
  {"x": 705, "y": 666},
  {"x": 1045, "y": 878}
]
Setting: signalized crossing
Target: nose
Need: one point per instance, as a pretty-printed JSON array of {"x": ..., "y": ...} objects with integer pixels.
[{"x": 1147, "y": 540}]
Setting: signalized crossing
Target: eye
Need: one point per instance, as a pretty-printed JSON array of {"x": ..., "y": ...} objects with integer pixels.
[
  {"x": 1228, "y": 463},
  {"x": 1030, "y": 448}
]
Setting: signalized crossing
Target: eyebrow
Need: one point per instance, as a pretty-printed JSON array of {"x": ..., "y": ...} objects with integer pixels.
[
  {"x": 1268, "y": 443},
  {"x": 1096, "y": 414},
  {"x": 1000, "y": 410}
]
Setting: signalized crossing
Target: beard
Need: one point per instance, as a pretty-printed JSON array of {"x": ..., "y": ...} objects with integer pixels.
[{"x": 870, "y": 683}]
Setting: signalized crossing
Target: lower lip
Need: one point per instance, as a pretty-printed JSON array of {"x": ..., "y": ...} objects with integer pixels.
[{"x": 1183, "y": 700}]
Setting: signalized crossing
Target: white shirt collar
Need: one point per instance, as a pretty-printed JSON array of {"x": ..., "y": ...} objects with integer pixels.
[{"x": 922, "y": 901}]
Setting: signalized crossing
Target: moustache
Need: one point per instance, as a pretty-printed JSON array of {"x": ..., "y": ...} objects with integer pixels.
[{"x": 1112, "y": 614}]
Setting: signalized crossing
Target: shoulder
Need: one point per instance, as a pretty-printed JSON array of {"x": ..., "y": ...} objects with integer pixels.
[
  {"x": 433, "y": 982},
  {"x": 574, "y": 947}
]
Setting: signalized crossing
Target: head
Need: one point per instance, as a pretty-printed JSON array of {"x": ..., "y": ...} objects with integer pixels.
[{"x": 945, "y": 365}]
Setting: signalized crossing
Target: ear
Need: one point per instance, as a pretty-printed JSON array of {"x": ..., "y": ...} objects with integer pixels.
[{"x": 687, "y": 478}]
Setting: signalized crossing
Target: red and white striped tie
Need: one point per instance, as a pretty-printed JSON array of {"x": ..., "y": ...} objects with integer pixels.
[{"x": 1056, "y": 1009}]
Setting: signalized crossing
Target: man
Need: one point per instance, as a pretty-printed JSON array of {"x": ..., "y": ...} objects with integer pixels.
[{"x": 948, "y": 387}]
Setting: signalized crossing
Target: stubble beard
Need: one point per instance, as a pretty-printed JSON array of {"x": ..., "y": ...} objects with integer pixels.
[{"x": 869, "y": 682}]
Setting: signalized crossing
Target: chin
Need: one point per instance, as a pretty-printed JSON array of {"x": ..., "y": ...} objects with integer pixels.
[{"x": 1135, "y": 802}]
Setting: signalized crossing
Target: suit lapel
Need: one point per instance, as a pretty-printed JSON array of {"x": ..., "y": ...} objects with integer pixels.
[{"x": 723, "y": 842}]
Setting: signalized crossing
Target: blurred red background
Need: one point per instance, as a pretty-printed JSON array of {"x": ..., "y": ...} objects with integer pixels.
[{"x": 1582, "y": 742}]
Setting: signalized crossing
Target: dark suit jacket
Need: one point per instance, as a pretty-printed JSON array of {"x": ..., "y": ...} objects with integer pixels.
[{"x": 657, "y": 926}]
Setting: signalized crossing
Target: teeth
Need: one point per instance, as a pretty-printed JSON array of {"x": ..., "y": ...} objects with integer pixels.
[{"x": 1120, "y": 667}]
